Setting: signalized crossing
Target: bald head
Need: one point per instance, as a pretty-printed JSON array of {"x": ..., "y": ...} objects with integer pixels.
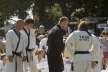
[{"x": 19, "y": 24}]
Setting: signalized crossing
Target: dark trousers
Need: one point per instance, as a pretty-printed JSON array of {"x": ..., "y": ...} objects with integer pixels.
[{"x": 55, "y": 63}]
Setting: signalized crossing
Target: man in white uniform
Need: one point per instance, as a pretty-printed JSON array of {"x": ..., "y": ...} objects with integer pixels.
[
  {"x": 30, "y": 46},
  {"x": 84, "y": 48},
  {"x": 15, "y": 48}
]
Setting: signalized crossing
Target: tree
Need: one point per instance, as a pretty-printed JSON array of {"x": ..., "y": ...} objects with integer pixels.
[
  {"x": 43, "y": 10},
  {"x": 13, "y": 7},
  {"x": 68, "y": 6},
  {"x": 93, "y": 7},
  {"x": 10, "y": 8},
  {"x": 105, "y": 8}
]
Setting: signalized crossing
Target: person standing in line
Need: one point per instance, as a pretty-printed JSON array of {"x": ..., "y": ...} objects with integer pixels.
[
  {"x": 15, "y": 48},
  {"x": 84, "y": 49},
  {"x": 56, "y": 45},
  {"x": 30, "y": 46}
]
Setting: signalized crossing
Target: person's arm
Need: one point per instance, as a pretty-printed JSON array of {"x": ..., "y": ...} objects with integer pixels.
[
  {"x": 95, "y": 48},
  {"x": 70, "y": 42},
  {"x": 24, "y": 45},
  {"x": 32, "y": 39},
  {"x": 41, "y": 44},
  {"x": 95, "y": 52},
  {"x": 59, "y": 42},
  {"x": 9, "y": 46}
]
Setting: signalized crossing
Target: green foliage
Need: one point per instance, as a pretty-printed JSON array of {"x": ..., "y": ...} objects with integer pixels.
[
  {"x": 14, "y": 7},
  {"x": 93, "y": 7},
  {"x": 79, "y": 13},
  {"x": 50, "y": 10},
  {"x": 54, "y": 12}
]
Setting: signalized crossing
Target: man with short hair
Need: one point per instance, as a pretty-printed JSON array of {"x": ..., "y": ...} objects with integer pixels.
[
  {"x": 30, "y": 45},
  {"x": 56, "y": 45},
  {"x": 15, "y": 48}
]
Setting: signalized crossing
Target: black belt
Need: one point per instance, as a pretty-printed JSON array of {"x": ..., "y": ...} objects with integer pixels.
[
  {"x": 81, "y": 52},
  {"x": 30, "y": 50},
  {"x": 16, "y": 53}
]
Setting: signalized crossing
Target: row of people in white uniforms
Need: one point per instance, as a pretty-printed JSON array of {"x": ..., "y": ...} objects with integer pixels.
[
  {"x": 83, "y": 47},
  {"x": 20, "y": 47}
]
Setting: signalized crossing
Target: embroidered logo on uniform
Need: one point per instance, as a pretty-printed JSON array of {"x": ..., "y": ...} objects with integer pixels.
[{"x": 84, "y": 38}]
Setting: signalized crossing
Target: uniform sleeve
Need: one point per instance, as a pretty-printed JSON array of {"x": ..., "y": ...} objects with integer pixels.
[
  {"x": 9, "y": 44},
  {"x": 69, "y": 45},
  {"x": 24, "y": 46},
  {"x": 96, "y": 51},
  {"x": 33, "y": 40},
  {"x": 41, "y": 44}
]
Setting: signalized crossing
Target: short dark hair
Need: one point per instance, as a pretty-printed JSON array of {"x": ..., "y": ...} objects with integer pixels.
[
  {"x": 29, "y": 21},
  {"x": 62, "y": 19}
]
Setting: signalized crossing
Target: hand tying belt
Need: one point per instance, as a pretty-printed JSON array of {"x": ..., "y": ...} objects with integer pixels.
[
  {"x": 16, "y": 53},
  {"x": 81, "y": 52}
]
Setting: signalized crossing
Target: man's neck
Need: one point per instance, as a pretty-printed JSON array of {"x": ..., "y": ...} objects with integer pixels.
[
  {"x": 17, "y": 30},
  {"x": 26, "y": 28}
]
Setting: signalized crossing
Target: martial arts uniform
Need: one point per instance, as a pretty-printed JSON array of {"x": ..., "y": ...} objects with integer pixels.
[
  {"x": 106, "y": 70},
  {"x": 2, "y": 66},
  {"x": 15, "y": 47},
  {"x": 30, "y": 50},
  {"x": 82, "y": 48},
  {"x": 43, "y": 45}
]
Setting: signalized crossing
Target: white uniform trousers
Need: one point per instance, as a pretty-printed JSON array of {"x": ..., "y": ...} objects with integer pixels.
[
  {"x": 15, "y": 66},
  {"x": 81, "y": 66},
  {"x": 30, "y": 66}
]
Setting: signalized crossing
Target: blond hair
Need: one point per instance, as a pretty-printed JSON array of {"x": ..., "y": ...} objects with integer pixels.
[{"x": 83, "y": 25}]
